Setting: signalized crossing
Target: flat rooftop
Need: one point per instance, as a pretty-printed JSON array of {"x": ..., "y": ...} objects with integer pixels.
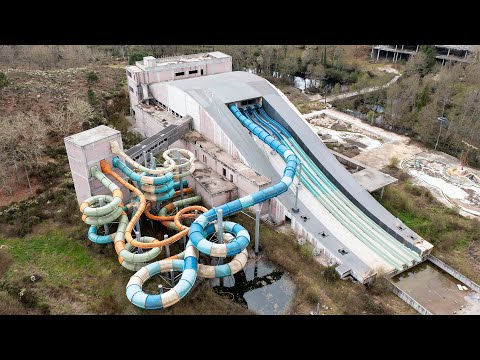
[
  {"x": 210, "y": 180},
  {"x": 91, "y": 136},
  {"x": 372, "y": 179},
  {"x": 369, "y": 178},
  {"x": 163, "y": 116},
  {"x": 235, "y": 164},
  {"x": 181, "y": 59}
]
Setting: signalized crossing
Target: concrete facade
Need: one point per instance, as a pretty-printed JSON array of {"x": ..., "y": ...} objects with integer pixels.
[
  {"x": 245, "y": 179},
  {"x": 85, "y": 150},
  {"x": 445, "y": 53},
  {"x": 151, "y": 70}
]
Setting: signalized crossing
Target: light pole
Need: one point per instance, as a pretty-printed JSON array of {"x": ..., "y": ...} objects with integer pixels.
[{"x": 443, "y": 121}]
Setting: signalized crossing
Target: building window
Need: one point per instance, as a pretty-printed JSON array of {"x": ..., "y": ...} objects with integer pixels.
[
  {"x": 196, "y": 155},
  {"x": 180, "y": 73},
  {"x": 129, "y": 73},
  {"x": 133, "y": 111},
  {"x": 131, "y": 89},
  {"x": 193, "y": 72},
  {"x": 231, "y": 177},
  {"x": 201, "y": 72},
  {"x": 224, "y": 172},
  {"x": 204, "y": 159}
]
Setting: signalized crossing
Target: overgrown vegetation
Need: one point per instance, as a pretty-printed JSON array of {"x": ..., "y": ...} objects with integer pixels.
[
  {"x": 91, "y": 76},
  {"x": 316, "y": 283},
  {"x": 136, "y": 56},
  {"x": 425, "y": 92},
  {"x": 3, "y": 80},
  {"x": 454, "y": 236}
]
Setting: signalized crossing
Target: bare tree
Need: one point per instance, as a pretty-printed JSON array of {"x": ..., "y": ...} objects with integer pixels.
[
  {"x": 417, "y": 64},
  {"x": 65, "y": 122},
  {"x": 42, "y": 56},
  {"x": 22, "y": 137}
]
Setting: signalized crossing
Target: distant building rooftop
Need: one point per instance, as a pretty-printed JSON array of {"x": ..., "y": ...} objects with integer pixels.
[{"x": 149, "y": 62}]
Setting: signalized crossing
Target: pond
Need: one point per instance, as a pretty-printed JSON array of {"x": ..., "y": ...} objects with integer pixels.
[{"x": 261, "y": 287}]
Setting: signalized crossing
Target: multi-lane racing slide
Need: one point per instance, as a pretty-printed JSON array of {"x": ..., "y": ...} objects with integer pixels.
[{"x": 329, "y": 196}]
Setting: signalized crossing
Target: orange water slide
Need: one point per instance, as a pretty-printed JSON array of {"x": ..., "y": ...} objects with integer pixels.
[{"x": 105, "y": 167}]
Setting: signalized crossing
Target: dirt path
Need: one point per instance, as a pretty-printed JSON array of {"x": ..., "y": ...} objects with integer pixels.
[
  {"x": 393, "y": 144},
  {"x": 358, "y": 92}
]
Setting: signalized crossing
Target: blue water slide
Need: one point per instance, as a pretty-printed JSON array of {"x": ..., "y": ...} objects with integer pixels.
[{"x": 242, "y": 239}]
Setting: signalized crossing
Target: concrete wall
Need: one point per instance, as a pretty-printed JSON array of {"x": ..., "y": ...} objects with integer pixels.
[
  {"x": 409, "y": 300},
  {"x": 147, "y": 125},
  {"x": 474, "y": 286},
  {"x": 86, "y": 149}
]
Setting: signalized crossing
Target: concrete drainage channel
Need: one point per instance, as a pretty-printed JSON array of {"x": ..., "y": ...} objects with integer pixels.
[{"x": 434, "y": 288}]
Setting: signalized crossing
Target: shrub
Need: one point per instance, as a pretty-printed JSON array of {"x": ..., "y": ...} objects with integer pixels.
[
  {"x": 5, "y": 261},
  {"x": 393, "y": 162},
  {"x": 91, "y": 76},
  {"x": 330, "y": 274},
  {"x": 379, "y": 286},
  {"x": 3, "y": 80},
  {"x": 92, "y": 99},
  {"x": 136, "y": 56}
]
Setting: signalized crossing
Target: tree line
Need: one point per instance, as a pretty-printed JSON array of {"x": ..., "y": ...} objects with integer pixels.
[{"x": 425, "y": 92}]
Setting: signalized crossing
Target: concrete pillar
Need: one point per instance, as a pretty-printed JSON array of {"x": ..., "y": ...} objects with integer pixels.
[
  {"x": 418, "y": 47},
  {"x": 105, "y": 227},
  {"x": 395, "y": 54},
  {"x": 85, "y": 150},
  {"x": 381, "y": 192},
  {"x": 220, "y": 231},
  {"x": 136, "y": 227},
  {"x": 145, "y": 161},
  {"x": 402, "y": 46},
  {"x": 378, "y": 54},
  {"x": 257, "y": 230},
  {"x": 167, "y": 254}
]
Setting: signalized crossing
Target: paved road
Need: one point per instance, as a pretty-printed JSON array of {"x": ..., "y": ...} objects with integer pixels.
[{"x": 353, "y": 93}]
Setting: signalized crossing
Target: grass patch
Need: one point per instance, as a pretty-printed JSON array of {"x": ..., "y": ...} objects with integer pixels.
[
  {"x": 54, "y": 254},
  {"x": 316, "y": 283},
  {"x": 456, "y": 238}
]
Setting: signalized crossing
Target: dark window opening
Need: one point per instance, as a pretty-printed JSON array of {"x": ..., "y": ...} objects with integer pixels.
[
  {"x": 204, "y": 159},
  {"x": 343, "y": 251},
  {"x": 133, "y": 111},
  {"x": 231, "y": 177},
  {"x": 224, "y": 172},
  {"x": 196, "y": 155},
  {"x": 180, "y": 73},
  {"x": 129, "y": 73},
  {"x": 131, "y": 89},
  {"x": 288, "y": 220},
  {"x": 244, "y": 102},
  {"x": 193, "y": 72},
  {"x": 201, "y": 72}
]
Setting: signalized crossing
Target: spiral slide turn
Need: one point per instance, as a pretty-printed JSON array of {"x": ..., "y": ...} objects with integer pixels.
[
  {"x": 96, "y": 215},
  {"x": 203, "y": 227},
  {"x": 159, "y": 185}
]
